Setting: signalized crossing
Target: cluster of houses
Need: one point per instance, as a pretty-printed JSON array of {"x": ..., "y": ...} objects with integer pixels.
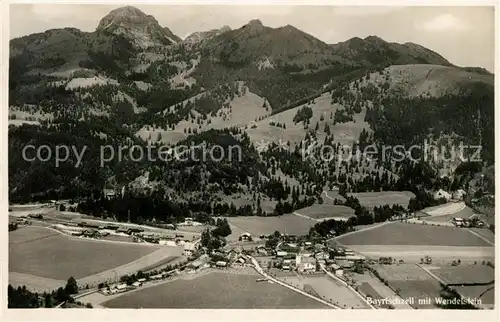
[
  {"x": 190, "y": 223},
  {"x": 220, "y": 259},
  {"x": 306, "y": 257},
  {"x": 457, "y": 195},
  {"x": 92, "y": 230},
  {"x": 121, "y": 288}
]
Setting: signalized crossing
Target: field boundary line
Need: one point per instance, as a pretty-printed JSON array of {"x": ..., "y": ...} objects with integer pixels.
[
  {"x": 326, "y": 195},
  {"x": 123, "y": 268},
  {"x": 366, "y": 228},
  {"x": 348, "y": 286},
  {"x": 482, "y": 237},
  {"x": 304, "y": 216},
  {"x": 34, "y": 239},
  {"x": 261, "y": 272}
]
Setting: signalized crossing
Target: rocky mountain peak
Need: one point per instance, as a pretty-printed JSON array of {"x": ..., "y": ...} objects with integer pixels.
[
  {"x": 224, "y": 28},
  {"x": 254, "y": 23},
  {"x": 141, "y": 29},
  {"x": 124, "y": 16}
]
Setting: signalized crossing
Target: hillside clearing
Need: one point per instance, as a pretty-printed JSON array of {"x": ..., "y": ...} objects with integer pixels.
[
  {"x": 327, "y": 211},
  {"x": 345, "y": 133},
  {"x": 426, "y": 80},
  {"x": 377, "y": 199},
  {"x": 286, "y": 224}
]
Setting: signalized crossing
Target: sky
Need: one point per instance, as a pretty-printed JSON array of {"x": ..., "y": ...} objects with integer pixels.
[{"x": 463, "y": 35}]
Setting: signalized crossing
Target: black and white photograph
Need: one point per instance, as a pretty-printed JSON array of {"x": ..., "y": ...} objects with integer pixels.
[{"x": 196, "y": 156}]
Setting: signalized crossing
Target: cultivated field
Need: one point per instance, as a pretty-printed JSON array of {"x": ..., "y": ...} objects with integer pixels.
[
  {"x": 368, "y": 291},
  {"x": 413, "y": 234},
  {"x": 439, "y": 254},
  {"x": 465, "y": 274},
  {"x": 30, "y": 234},
  {"x": 325, "y": 288},
  {"x": 485, "y": 233},
  {"x": 38, "y": 252},
  {"x": 377, "y": 199},
  {"x": 465, "y": 213},
  {"x": 410, "y": 282},
  {"x": 327, "y": 211},
  {"x": 216, "y": 290},
  {"x": 442, "y": 210},
  {"x": 329, "y": 288},
  {"x": 288, "y": 224},
  {"x": 369, "y": 284}
]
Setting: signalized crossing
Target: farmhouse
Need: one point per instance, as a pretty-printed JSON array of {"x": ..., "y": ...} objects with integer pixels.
[
  {"x": 281, "y": 253},
  {"x": 189, "y": 249},
  {"x": 459, "y": 194},
  {"x": 348, "y": 252},
  {"x": 343, "y": 263},
  {"x": 156, "y": 277},
  {"x": 196, "y": 264},
  {"x": 121, "y": 287},
  {"x": 441, "y": 194},
  {"x": 122, "y": 230},
  {"x": 245, "y": 237},
  {"x": 261, "y": 250},
  {"x": 109, "y": 193},
  {"x": 221, "y": 264},
  {"x": 134, "y": 230}
]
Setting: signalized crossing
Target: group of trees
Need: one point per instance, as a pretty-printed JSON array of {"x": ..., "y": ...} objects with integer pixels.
[
  {"x": 303, "y": 115},
  {"x": 21, "y": 297},
  {"x": 214, "y": 239},
  {"x": 332, "y": 227}
]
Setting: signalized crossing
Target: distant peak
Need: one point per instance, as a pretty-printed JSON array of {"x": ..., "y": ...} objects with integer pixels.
[
  {"x": 289, "y": 27},
  {"x": 374, "y": 39},
  {"x": 225, "y": 28},
  {"x": 255, "y": 22},
  {"x": 128, "y": 11}
]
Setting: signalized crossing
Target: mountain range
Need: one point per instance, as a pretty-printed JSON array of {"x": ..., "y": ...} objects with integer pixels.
[{"x": 134, "y": 81}]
